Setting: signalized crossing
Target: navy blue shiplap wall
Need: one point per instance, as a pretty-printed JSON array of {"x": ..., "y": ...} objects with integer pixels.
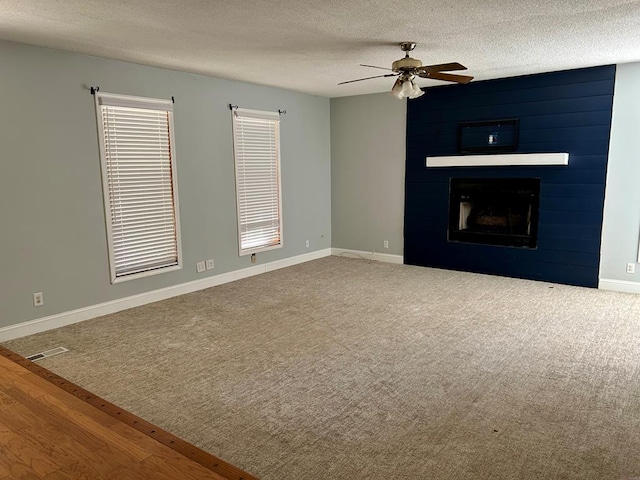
[{"x": 566, "y": 111}]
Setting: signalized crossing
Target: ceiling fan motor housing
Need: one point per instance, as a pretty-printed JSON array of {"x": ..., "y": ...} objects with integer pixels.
[{"x": 406, "y": 64}]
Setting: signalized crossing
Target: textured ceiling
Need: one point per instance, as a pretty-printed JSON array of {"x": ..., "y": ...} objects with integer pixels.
[{"x": 311, "y": 45}]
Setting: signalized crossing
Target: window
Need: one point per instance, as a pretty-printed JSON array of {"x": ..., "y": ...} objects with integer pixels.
[
  {"x": 139, "y": 183},
  {"x": 256, "y": 145}
]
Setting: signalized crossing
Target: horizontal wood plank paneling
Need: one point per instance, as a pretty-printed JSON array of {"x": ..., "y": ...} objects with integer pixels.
[{"x": 566, "y": 111}]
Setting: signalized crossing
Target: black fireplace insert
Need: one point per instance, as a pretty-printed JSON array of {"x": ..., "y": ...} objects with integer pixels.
[{"x": 494, "y": 211}]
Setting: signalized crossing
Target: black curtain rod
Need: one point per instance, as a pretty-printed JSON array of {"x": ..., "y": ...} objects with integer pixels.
[
  {"x": 96, "y": 89},
  {"x": 233, "y": 107}
]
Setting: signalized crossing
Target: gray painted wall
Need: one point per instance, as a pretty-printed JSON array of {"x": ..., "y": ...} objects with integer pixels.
[
  {"x": 368, "y": 137},
  {"x": 53, "y": 230},
  {"x": 621, "y": 227}
]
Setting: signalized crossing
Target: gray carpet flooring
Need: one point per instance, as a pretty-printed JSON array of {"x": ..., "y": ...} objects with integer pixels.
[{"x": 347, "y": 369}]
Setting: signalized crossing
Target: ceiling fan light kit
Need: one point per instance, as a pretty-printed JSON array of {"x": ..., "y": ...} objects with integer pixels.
[
  {"x": 407, "y": 69},
  {"x": 405, "y": 87}
]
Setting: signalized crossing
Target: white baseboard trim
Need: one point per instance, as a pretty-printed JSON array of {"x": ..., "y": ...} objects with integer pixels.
[
  {"x": 86, "y": 313},
  {"x": 291, "y": 261},
  {"x": 619, "y": 285},
  {"x": 379, "y": 257}
]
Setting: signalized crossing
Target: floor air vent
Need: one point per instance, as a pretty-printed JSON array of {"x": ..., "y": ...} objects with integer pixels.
[{"x": 48, "y": 353}]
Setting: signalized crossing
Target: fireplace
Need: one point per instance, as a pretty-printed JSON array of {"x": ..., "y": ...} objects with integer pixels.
[{"x": 494, "y": 211}]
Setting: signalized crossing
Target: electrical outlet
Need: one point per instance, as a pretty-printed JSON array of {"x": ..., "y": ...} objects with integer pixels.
[
  {"x": 631, "y": 268},
  {"x": 38, "y": 299},
  {"x": 385, "y": 244},
  {"x": 200, "y": 267},
  {"x": 306, "y": 243},
  {"x": 253, "y": 258},
  {"x": 209, "y": 264}
]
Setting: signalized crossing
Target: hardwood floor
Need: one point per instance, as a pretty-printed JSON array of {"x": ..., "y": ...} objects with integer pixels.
[{"x": 52, "y": 429}]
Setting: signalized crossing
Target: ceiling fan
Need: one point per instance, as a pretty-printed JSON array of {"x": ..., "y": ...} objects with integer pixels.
[{"x": 407, "y": 69}]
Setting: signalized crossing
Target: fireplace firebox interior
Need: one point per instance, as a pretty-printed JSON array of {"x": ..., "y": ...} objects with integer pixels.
[{"x": 494, "y": 211}]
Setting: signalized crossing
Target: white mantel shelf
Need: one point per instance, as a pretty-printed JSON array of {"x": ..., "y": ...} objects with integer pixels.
[{"x": 510, "y": 159}]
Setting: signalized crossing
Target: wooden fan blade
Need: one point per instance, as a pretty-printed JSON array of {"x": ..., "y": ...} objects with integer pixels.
[
  {"x": 373, "y": 66},
  {"x": 443, "y": 67},
  {"x": 369, "y": 78},
  {"x": 449, "y": 77}
]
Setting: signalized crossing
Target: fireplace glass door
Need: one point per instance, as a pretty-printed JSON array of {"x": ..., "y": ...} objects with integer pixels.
[{"x": 494, "y": 211}]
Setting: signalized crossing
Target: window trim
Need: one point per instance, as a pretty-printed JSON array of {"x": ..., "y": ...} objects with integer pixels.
[
  {"x": 268, "y": 116},
  {"x": 119, "y": 100}
]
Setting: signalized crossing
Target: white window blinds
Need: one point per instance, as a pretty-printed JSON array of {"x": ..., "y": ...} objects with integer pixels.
[
  {"x": 139, "y": 182},
  {"x": 256, "y": 142}
]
